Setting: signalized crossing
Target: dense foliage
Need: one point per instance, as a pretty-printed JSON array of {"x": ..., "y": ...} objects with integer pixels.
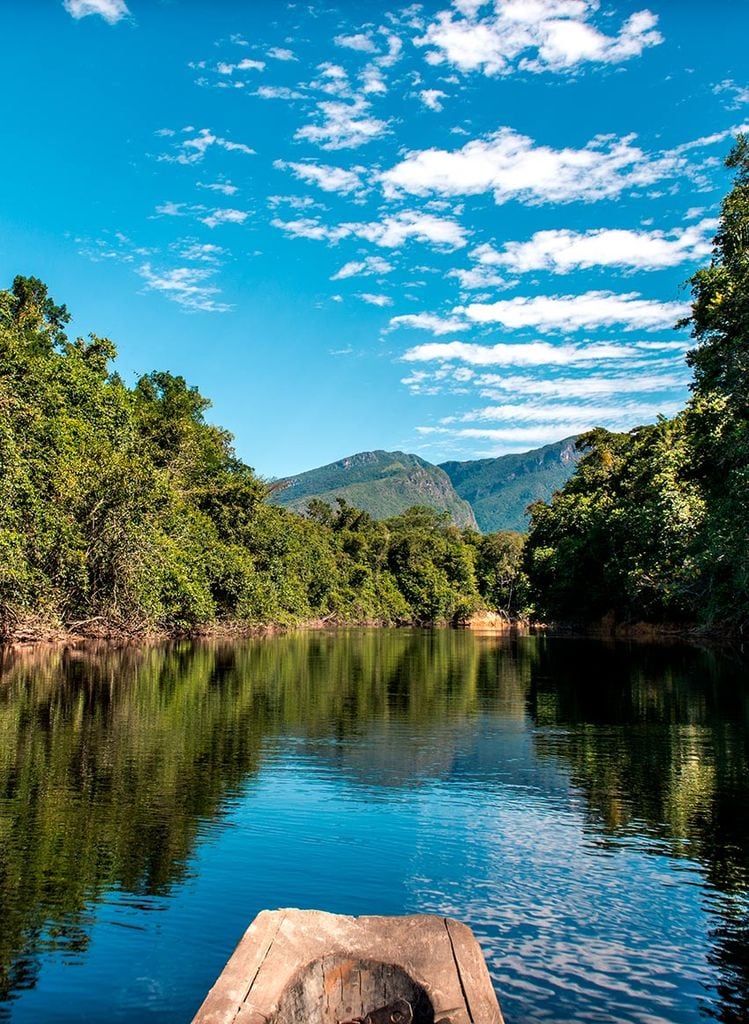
[
  {"x": 655, "y": 523},
  {"x": 123, "y": 507}
]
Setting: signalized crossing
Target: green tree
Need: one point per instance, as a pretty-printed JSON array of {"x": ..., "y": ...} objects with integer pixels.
[
  {"x": 499, "y": 576},
  {"x": 718, "y": 413},
  {"x": 620, "y": 536}
]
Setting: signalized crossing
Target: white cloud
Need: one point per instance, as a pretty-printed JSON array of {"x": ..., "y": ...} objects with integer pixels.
[
  {"x": 392, "y": 231},
  {"x": 307, "y": 227},
  {"x": 333, "y": 80},
  {"x": 539, "y": 422},
  {"x": 531, "y": 436},
  {"x": 373, "y": 81},
  {"x": 368, "y": 267},
  {"x": 111, "y": 11},
  {"x": 187, "y": 286},
  {"x": 710, "y": 140},
  {"x": 113, "y": 246},
  {"x": 243, "y": 65},
  {"x": 216, "y": 217},
  {"x": 376, "y": 300},
  {"x": 360, "y": 41},
  {"x": 210, "y": 217},
  {"x": 573, "y": 312},
  {"x": 533, "y": 35},
  {"x": 329, "y": 179},
  {"x": 512, "y": 166},
  {"x": 429, "y": 322},
  {"x": 344, "y": 125},
  {"x": 202, "y": 252},
  {"x": 280, "y": 53},
  {"x": 235, "y": 147},
  {"x": 664, "y": 346},
  {"x": 614, "y": 379},
  {"x": 170, "y": 209},
  {"x": 563, "y": 251},
  {"x": 224, "y": 187},
  {"x": 535, "y": 353},
  {"x": 431, "y": 98},
  {"x": 389, "y": 233},
  {"x": 193, "y": 150},
  {"x": 520, "y": 412},
  {"x": 463, "y": 374},
  {"x": 295, "y": 202},
  {"x": 395, "y": 49},
  {"x": 277, "y": 92},
  {"x": 480, "y": 277},
  {"x": 587, "y": 387},
  {"x": 735, "y": 95}
]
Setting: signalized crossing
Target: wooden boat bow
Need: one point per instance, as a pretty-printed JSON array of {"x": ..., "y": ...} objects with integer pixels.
[{"x": 310, "y": 967}]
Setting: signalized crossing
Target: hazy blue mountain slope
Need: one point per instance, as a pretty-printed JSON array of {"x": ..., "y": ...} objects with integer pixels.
[
  {"x": 382, "y": 483},
  {"x": 499, "y": 490}
]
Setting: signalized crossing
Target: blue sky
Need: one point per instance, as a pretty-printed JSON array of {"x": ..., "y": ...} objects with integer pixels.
[{"x": 458, "y": 229}]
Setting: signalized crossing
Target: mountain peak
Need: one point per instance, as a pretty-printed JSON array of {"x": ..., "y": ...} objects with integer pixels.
[
  {"x": 488, "y": 494},
  {"x": 500, "y": 489},
  {"x": 380, "y": 482}
]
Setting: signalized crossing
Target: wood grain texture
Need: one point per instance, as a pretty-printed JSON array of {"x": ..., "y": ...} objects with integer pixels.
[
  {"x": 296, "y": 966},
  {"x": 478, "y": 992},
  {"x": 222, "y": 1003}
]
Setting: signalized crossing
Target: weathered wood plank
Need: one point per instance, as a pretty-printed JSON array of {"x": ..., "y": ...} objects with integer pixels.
[
  {"x": 222, "y": 1003},
  {"x": 249, "y": 1015},
  {"x": 303, "y": 965},
  {"x": 474, "y": 974},
  {"x": 421, "y": 946},
  {"x": 368, "y": 991}
]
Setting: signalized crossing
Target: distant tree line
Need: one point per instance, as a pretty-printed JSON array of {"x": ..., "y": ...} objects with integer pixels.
[
  {"x": 122, "y": 507},
  {"x": 654, "y": 524}
]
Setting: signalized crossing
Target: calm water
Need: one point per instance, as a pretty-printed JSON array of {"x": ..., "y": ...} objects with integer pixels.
[{"x": 583, "y": 806}]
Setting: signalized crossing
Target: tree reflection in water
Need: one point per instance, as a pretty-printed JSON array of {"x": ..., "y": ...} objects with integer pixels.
[
  {"x": 112, "y": 760},
  {"x": 657, "y": 739}
]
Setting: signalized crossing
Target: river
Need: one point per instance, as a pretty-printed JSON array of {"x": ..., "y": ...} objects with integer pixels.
[{"x": 583, "y": 805}]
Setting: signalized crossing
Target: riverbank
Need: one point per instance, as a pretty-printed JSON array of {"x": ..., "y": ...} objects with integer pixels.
[{"x": 34, "y": 631}]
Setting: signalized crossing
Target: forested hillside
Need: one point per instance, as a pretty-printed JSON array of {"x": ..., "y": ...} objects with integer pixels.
[
  {"x": 490, "y": 494},
  {"x": 122, "y": 509},
  {"x": 381, "y": 483},
  {"x": 500, "y": 490},
  {"x": 655, "y": 523}
]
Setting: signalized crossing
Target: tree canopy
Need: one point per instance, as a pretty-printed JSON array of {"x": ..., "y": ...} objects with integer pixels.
[
  {"x": 655, "y": 523},
  {"x": 124, "y": 507}
]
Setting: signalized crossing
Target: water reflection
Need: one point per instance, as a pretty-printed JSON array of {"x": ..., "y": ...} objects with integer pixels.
[
  {"x": 114, "y": 763},
  {"x": 658, "y": 742}
]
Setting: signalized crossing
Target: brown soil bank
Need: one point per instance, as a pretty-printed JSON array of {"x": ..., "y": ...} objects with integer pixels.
[{"x": 35, "y": 629}]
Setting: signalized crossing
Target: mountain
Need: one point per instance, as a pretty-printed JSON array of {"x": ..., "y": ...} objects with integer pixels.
[
  {"x": 499, "y": 490},
  {"x": 382, "y": 483}
]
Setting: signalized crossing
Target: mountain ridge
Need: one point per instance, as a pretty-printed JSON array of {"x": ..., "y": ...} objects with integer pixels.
[
  {"x": 500, "y": 489},
  {"x": 486, "y": 494},
  {"x": 379, "y": 482}
]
